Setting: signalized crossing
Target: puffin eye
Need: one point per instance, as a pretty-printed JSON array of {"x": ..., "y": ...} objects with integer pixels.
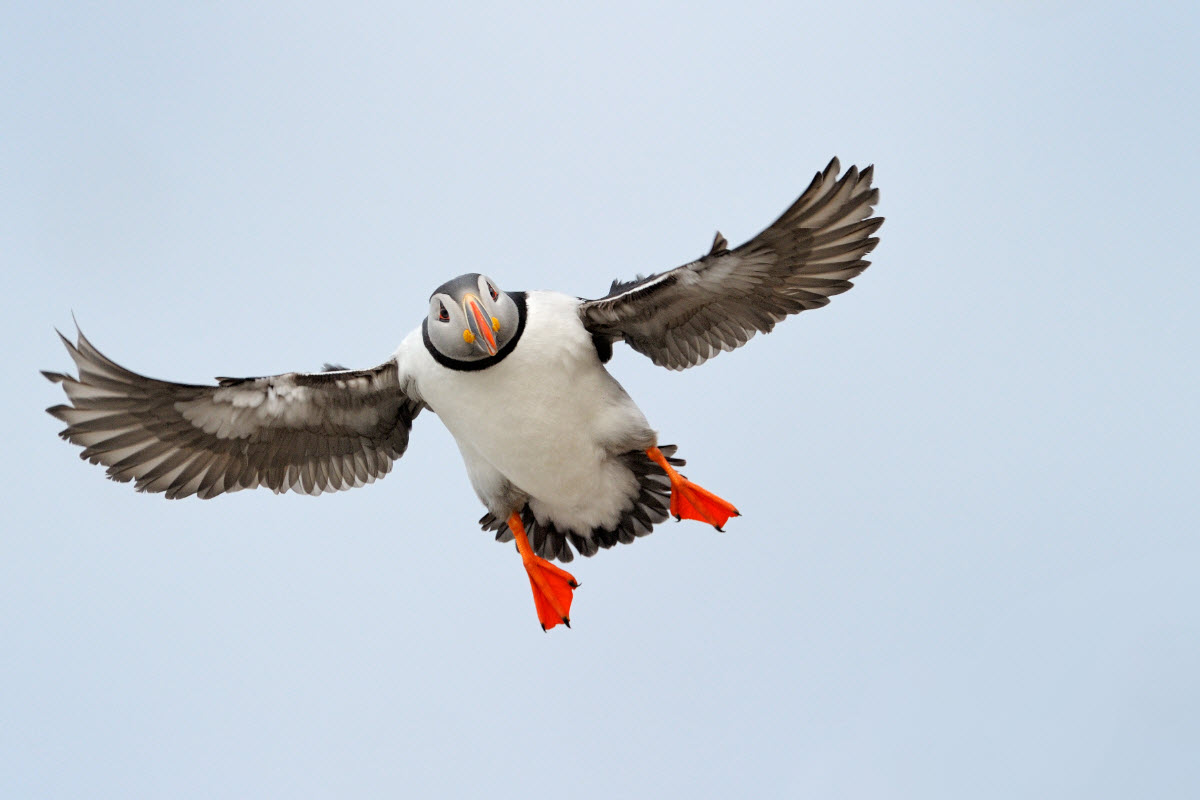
[
  {"x": 493, "y": 291},
  {"x": 443, "y": 315}
]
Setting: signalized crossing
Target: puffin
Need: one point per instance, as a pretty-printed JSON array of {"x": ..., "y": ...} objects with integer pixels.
[{"x": 559, "y": 454}]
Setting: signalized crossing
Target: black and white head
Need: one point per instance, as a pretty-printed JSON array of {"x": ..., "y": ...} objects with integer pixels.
[{"x": 472, "y": 322}]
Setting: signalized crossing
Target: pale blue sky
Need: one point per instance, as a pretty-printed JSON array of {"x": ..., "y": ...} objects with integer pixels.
[{"x": 968, "y": 560}]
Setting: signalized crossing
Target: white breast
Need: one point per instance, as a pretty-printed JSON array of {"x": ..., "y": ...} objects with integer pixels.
[{"x": 548, "y": 418}]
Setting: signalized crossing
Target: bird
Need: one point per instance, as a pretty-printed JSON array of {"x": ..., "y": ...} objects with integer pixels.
[{"x": 558, "y": 453}]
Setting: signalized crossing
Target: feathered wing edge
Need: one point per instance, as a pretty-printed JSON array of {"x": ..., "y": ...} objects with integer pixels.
[
  {"x": 301, "y": 432},
  {"x": 685, "y": 316}
]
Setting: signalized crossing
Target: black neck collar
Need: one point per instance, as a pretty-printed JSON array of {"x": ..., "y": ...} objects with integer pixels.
[{"x": 482, "y": 363}]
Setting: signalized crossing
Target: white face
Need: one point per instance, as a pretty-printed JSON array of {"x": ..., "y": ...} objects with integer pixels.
[{"x": 470, "y": 318}]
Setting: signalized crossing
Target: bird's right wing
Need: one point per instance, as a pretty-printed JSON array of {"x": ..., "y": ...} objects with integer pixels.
[{"x": 302, "y": 432}]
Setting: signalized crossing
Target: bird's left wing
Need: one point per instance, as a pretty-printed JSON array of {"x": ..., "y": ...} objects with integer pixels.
[
  {"x": 301, "y": 432},
  {"x": 683, "y": 317}
]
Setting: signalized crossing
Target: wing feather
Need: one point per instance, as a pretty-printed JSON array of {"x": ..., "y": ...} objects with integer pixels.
[
  {"x": 685, "y": 316},
  {"x": 301, "y": 432}
]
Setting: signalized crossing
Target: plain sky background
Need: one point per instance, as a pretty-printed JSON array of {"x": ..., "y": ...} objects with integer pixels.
[{"x": 968, "y": 561}]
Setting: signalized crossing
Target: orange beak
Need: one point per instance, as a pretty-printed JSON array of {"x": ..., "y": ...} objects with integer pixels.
[{"x": 479, "y": 323}]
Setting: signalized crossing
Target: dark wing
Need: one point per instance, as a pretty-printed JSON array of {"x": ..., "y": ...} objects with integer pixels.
[
  {"x": 684, "y": 317},
  {"x": 308, "y": 433}
]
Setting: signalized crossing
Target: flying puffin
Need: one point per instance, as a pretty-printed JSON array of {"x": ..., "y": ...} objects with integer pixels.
[{"x": 556, "y": 450}]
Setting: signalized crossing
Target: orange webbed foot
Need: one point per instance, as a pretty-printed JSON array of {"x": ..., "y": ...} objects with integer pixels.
[
  {"x": 690, "y": 501},
  {"x": 553, "y": 587},
  {"x": 553, "y": 591}
]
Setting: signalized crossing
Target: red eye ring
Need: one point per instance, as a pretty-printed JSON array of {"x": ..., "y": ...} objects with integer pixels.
[
  {"x": 444, "y": 315},
  {"x": 492, "y": 289}
]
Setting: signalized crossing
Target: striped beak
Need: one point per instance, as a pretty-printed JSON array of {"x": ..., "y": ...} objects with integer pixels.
[{"x": 480, "y": 327}]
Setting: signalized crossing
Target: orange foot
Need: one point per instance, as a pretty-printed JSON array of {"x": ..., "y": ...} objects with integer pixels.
[
  {"x": 553, "y": 588},
  {"x": 689, "y": 501}
]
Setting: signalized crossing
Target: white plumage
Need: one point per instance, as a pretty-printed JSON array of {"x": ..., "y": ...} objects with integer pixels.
[{"x": 546, "y": 419}]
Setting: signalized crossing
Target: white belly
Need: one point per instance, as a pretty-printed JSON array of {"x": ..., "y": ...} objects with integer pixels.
[{"x": 547, "y": 419}]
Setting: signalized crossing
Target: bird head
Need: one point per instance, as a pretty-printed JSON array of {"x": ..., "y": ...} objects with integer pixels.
[{"x": 470, "y": 318}]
